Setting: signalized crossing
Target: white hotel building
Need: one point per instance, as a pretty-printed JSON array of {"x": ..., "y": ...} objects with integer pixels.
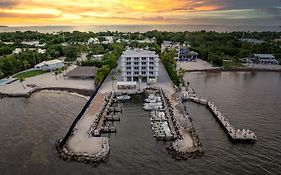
[{"x": 140, "y": 65}]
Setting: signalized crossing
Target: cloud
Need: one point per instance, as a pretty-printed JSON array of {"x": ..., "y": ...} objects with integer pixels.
[
  {"x": 146, "y": 11},
  {"x": 8, "y": 3}
]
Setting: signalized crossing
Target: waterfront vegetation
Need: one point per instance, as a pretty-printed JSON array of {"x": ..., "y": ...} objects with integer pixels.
[
  {"x": 168, "y": 60},
  {"x": 28, "y": 74},
  {"x": 220, "y": 49}
]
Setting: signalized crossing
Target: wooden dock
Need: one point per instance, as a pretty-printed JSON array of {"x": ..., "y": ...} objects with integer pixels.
[{"x": 234, "y": 134}]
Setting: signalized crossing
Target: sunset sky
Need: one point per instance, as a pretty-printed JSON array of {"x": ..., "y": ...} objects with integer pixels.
[{"x": 106, "y": 12}]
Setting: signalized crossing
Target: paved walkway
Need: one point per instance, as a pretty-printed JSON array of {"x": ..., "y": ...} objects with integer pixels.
[
  {"x": 81, "y": 141},
  {"x": 47, "y": 80}
]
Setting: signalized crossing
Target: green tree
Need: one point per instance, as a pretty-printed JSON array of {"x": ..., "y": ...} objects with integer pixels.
[
  {"x": 70, "y": 53},
  {"x": 113, "y": 78},
  {"x": 25, "y": 64}
]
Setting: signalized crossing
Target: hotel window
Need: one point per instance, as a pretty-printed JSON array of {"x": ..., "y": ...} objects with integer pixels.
[
  {"x": 128, "y": 58},
  {"x": 151, "y": 68},
  {"x": 143, "y": 63},
  {"x": 128, "y": 73},
  {"x": 136, "y": 68},
  {"x": 128, "y": 68},
  {"x": 143, "y": 58},
  {"x": 136, "y": 63},
  {"x": 151, "y": 63},
  {"x": 136, "y": 73},
  {"x": 143, "y": 72},
  {"x": 151, "y": 73},
  {"x": 151, "y": 58},
  {"x": 129, "y": 63},
  {"x": 136, "y": 58},
  {"x": 143, "y": 68}
]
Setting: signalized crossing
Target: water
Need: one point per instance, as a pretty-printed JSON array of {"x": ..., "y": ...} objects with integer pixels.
[
  {"x": 250, "y": 100},
  {"x": 141, "y": 28},
  {"x": 2, "y": 81}
]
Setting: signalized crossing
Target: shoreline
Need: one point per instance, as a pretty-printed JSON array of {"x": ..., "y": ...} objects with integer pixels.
[
  {"x": 235, "y": 70},
  {"x": 82, "y": 92}
]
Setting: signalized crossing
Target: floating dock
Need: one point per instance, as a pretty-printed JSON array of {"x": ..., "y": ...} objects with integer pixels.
[{"x": 234, "y": 134}]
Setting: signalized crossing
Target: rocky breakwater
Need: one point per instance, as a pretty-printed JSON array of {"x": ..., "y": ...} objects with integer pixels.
[
  {"x": 188, "y": 144},
  {"x": 81, "y": 145},
  {"x": 94, "y": 159}
]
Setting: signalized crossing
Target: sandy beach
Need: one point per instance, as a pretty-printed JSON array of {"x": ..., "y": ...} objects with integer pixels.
[{"x": 198, "y": 64}]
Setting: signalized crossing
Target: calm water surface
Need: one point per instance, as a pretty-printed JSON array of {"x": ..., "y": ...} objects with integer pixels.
[
  {"x": 29, "y": 128},
  {"x": 141, "y": 28}
]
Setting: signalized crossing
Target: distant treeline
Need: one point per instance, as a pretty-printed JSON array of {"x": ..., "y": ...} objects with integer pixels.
[{"x": 211, "y": 46}]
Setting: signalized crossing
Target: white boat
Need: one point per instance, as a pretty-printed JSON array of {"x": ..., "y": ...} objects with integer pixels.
[{"x": 123, "y": 97}]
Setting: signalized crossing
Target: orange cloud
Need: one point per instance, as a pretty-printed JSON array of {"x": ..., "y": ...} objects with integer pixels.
[{"x": 68, "y": 12}]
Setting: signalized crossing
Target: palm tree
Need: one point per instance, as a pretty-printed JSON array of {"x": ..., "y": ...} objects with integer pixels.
[
  {"x": 56, "y": 73},
  {"x": 98, "y": 79},
  {"x": 21, "y": 79},
  {"x": 25, "y": 64},
  {"x": 113, "y": 78},
  {"x": 119, "y": 70}
]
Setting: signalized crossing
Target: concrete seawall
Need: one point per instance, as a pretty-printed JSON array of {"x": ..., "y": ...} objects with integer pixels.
[{"x": 81, "y": 146}]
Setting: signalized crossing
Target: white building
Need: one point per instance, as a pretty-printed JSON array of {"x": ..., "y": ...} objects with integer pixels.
[
  {"x": 252, "y": 40},
  {"x": 140, "y": 65},
  {"x": 41, "y": 51},
  {"x": 265, "y": 59},
  {"x": 17, "y": 51},
  {"x": 93, "y": 41},
  {"x": 108, "y": 40},
  {"x": 49, "y": 65},
  {"x": 33, "y": 43}
]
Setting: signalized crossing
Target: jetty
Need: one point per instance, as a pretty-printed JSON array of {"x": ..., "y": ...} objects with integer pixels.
[
  {"x": 82, "y": 146},
  {"x": 233, "y": 133},
  {"x": 106, "y": 113},
  {"x": 161, "y": 119}
]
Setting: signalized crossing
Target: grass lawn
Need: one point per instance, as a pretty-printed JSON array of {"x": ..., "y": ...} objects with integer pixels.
[{"x": 28, "y": 74}]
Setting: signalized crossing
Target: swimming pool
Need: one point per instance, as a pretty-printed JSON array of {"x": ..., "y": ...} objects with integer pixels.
[{"x": 3, "y": 81}]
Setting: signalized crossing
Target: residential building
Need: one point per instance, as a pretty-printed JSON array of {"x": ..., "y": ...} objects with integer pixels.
[
  {"x": 93, "y": 41},
  {"x": 34, "y": 43},
  {"x": 49, "y": 65},
  {"x": 252, "y": 40},
  {"x": 182, "y": 51},
  {"x": 167, "y": 45},
  {"x": 184, "y": 54},
  {"x": 140, "y": 65},
  {"x": 264, "y": 59},
  {"x": 17, "y": 51},
  {"x": 41, "y": 51}
]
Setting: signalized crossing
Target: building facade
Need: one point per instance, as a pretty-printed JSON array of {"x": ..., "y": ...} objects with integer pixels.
[
  {"x": 140, "y": 65},
  {"x": 50, "y": 65},
  {"x": 183, "y": 52},
  {"x": 264, "y": 59}
]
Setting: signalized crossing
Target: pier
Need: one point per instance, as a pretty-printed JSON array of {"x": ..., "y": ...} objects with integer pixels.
[
  {"x": 106, "y": 113},
  {"x": 161, "y": 116},
  {"x": 234, "y": 134}
]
